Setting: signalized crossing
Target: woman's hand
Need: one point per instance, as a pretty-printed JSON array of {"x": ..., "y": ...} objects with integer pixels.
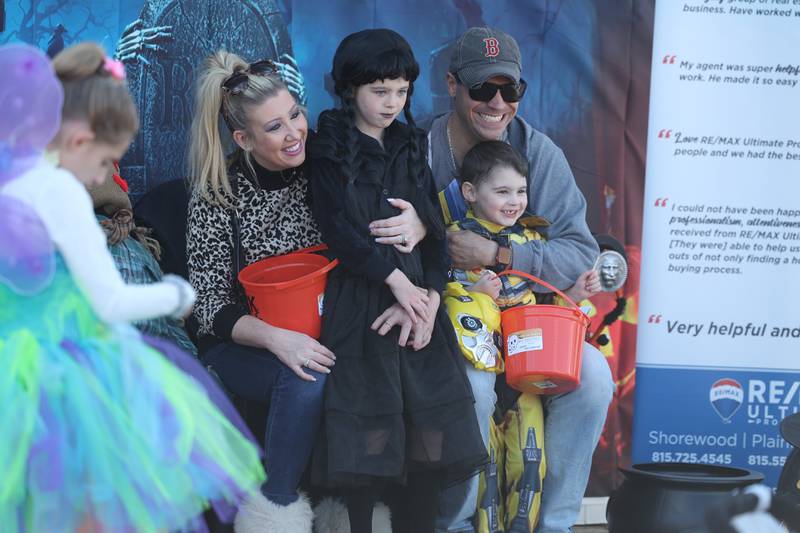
[
  {"x": 422, "y": 330},
  {"x": 587, "y": 285},
  {"x": 410, "y": 297},
  {"x": 417, "y": 335},
  {"x": 404, "y": 231},
  {"x": 489, "y": 284},
  {"x": 298, "y": 350},
  {"x": 394, "y": 316}
]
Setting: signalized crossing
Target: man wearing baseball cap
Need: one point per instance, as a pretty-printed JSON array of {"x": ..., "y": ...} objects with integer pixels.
[{"x": 485, "y": 82}]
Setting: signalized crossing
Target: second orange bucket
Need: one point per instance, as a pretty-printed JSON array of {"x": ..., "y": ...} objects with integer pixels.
[
  {"x": 543, "y": 344},
  {"x": 287, "y": 291}
]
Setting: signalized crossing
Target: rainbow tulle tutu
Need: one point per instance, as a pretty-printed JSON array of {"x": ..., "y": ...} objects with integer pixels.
[{"x": 102, "y": 424}]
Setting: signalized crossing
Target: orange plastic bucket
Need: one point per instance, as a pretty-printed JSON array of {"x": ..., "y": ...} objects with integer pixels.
[
  {"x": 543, "y": 344},
  {"x": 287, "y": 291}
]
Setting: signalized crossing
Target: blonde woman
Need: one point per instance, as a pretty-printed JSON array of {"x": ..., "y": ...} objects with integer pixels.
[{"x": 245, "y": 206}]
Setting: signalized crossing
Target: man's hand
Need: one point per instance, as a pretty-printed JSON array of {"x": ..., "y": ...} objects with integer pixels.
[{"x": 469, "y": 250}]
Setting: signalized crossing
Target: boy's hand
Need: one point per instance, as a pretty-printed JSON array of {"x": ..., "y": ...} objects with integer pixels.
[
  {"x": 412, "y": 299},
  {"x": 587, "y": 285},
  {"x": 489, "y": 284}
]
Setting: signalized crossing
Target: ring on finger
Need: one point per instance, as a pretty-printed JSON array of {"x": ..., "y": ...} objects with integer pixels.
[
  {"x": 403, "y": 239},
  {"x": 307, "y": 363}
]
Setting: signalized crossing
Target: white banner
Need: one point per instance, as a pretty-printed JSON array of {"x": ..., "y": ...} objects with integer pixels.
[{"x": 718, "y": 348}]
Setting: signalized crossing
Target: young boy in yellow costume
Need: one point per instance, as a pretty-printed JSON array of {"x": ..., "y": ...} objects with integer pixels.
[{"x": 494, "y": 185}]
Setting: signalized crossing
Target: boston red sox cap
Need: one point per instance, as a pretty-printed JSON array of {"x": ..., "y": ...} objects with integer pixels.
[{"x": 482, "y": 53}]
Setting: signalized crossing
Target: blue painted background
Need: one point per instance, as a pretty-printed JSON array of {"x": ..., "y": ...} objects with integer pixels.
[
  {"x": 551, "y": 33},
  {"x": 587, "y": 65}
]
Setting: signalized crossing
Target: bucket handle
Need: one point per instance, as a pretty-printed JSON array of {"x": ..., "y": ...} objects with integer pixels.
[
  {"x": 512, "y": 272},
  {"x": 324, "y": 270},
  {"x": 321, "y": 247}
]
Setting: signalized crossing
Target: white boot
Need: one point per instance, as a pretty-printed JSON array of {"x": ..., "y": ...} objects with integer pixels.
[
  {"x": 381, "y": 519},
  {"x": 330, "y": 516},
  {"x": 259, "y": 515}
]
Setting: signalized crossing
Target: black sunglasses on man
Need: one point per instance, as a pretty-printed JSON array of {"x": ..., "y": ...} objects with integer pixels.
[{"x": 484, "y": 92}]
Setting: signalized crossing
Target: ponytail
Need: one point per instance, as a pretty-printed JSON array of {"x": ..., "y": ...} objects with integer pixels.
[
  {"x": 208, "y": 172},
  {"x": 93, "y": 95},
  {"x": 208, "y": 169}
]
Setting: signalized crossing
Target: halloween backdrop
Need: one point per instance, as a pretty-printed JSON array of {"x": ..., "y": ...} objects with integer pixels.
[{"x": 587, "y": 64}]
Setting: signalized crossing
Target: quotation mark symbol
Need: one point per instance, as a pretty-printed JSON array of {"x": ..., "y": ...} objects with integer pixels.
[
  {"x": 654, "y": 319},
  {"x": 661, "y": 202},
  {"x": 668, "y": 60},
  {"x": 664, "y": 134}
]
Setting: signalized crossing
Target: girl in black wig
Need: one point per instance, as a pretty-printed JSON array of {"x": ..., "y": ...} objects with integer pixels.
[{"x": 398, "y": 408}]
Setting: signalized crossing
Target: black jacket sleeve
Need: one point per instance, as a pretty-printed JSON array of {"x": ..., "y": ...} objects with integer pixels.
[
  {"x": 208, "y": 240},
  {"x": 356, "y": 251}
]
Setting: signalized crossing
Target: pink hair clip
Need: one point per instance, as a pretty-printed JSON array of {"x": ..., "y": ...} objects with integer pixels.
[{"x": 115, "y": 68}]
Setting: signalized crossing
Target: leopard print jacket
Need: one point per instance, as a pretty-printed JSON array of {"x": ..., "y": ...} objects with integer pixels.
[{"x": 270, "y": 223}]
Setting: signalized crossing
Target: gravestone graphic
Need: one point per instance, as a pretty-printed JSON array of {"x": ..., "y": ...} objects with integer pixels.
[{"x": 162, "y": 78}]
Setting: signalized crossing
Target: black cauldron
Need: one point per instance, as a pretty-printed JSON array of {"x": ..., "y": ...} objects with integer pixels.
[{"x": 671, "y": 497}]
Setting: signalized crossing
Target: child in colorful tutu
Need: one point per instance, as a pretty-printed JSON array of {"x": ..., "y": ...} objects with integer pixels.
[
  {"x": 396, "y": 410},
  {"x": 103, "y": 429}
]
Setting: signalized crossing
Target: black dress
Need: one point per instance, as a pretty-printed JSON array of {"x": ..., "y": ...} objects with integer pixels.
[{"x": 388, "y": 409}]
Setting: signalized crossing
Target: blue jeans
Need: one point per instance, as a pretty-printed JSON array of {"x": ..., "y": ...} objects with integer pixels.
[
  {"x": 295, "y": 411},
  {"x": 573, "y": 424},
  {"x": 457, "y": 504}
]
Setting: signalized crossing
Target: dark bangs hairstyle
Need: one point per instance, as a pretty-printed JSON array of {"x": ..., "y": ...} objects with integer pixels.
[
  {"x": 371, "y": 55},
  {"x": 485, "y": 157}
]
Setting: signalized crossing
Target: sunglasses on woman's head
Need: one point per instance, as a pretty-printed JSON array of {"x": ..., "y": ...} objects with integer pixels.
[
  {"x": 510, "y": 92},
  {"x": 237, "y": 82}
]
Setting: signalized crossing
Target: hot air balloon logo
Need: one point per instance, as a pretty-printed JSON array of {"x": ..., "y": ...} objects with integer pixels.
[{"x": 726, "y": 396}]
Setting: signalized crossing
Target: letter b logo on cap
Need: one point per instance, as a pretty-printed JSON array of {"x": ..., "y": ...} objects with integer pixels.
[{"x": 492, "y": 47}]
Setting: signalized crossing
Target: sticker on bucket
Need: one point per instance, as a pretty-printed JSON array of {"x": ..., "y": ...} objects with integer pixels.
[
  {"x": 524, "y": 341},
  {"x": 544, "y": 384},
  {"x": 320, "y": 303}
]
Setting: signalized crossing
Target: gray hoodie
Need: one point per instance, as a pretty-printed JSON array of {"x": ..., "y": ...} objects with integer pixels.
[{"x": 570, "y": 248}]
